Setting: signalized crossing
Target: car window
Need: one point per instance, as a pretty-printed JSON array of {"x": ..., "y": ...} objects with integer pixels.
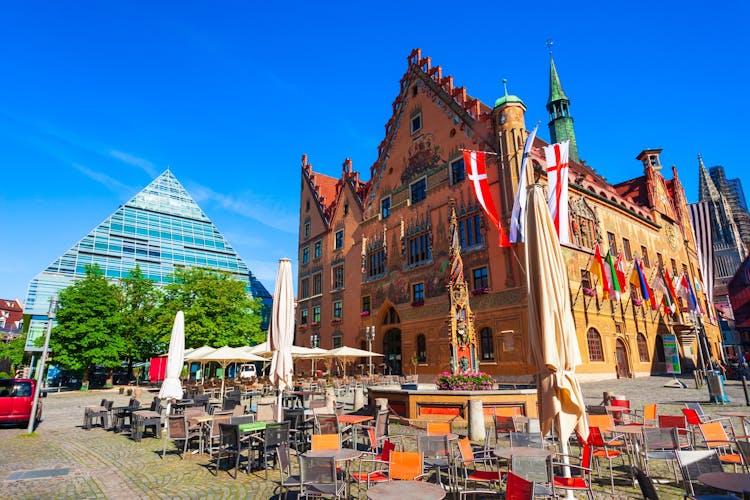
[{"x": 11, "y": 388}]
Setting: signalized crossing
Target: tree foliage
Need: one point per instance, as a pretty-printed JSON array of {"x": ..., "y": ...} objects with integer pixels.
[
  {"x": 141, "y": 300},
  {"x": 14, "y": 350},
  {"x": 88, "y": 324},
  {"x": 218, "y": 311}
]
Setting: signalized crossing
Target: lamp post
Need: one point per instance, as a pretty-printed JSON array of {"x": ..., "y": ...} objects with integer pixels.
[
  {"x": 42, "y": 360},
  {"x": 370, "y": 336},
  {"x": 314, "y": 342}
]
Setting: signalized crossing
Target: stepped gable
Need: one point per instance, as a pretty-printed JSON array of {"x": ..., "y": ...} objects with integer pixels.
[
  {"x": 470, "y": 110},
  {"x": 324, "y": 189}
]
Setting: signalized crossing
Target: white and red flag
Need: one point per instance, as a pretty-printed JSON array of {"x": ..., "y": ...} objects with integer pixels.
[
  {"x": 476, "y": 172},
  {"x": 557, "y": 180}
]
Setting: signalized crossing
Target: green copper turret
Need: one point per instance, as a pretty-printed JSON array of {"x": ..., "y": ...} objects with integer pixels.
[{"x": 558, "y": 105}]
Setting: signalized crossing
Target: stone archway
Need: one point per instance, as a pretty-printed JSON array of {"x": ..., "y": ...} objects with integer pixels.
[
  {"x": 392, "y": 351},
  {"x": 622, "y": 362}
]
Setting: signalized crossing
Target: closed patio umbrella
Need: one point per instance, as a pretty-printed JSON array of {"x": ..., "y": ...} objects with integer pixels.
[
  {"x": 281, "y": 331},
  {"x": 171, "y": 387},
  {"x": 552, "y": 333}
]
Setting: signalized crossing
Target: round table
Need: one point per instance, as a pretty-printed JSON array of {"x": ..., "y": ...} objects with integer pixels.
[
  {"x": 413, "y": 490},
  {"x": 736, "y": 482},
  {"x": 521, "y": 451}
]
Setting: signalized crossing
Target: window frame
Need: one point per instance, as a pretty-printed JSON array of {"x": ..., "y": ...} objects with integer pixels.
[
  {"x": 594, "y": 357},
  {"x": 338, "y": 239},
  {"x": 337, "y": 309},
  {"x": 317, "y": 250},
  {"x": 317, "y": 279},
  {"x": 452, "y": 171},
  {"x": 486, "y": 345},
  {"x": 305, "y": 287},
  {"x": 421, "y": 349},
  {"x": 484, "y": 280},
  {"x": 316, "y": 315},
  {"x": 304, "y": 316},
  {"x": 612, "y": 241},
  {"x": 626, "y": 249},
  {"x": 306, "y": 254},
  {"x": 422, "y": 192},
  {"x": 385, "y": 212},
  {"x": 419, "y": 249},
  {"x": 337, "y": 282},
  {"x": 417, "y": 293},
  {"x": 376, "y": 261},
  {"x": 642, "y": 344},
  {"x": 470, "y": 231},
  {"x": 644, "y": 257},
  {"x": 412, "y": 128}
]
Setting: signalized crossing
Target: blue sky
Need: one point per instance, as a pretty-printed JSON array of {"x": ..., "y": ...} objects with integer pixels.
[{"x": 97, "y": 98}]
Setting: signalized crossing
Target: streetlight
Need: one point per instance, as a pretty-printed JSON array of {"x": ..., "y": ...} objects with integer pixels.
[
  {"x": 42, "y": 360},
  {"x": 314, "y": 342},
  {"x": 370, "y": 336}
]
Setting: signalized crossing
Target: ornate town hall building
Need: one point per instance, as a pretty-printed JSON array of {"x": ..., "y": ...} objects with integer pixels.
[{"x": 374, "y": 255}]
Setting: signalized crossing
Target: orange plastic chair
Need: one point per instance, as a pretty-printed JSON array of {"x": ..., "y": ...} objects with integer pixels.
[
  {"x": 325, "y": 442},
  {"x": 716, "y": 438},
  {"x": 649, "y": 414},
  {"x": 405, "y": 465},
  {"x": 438, "y": 428}
]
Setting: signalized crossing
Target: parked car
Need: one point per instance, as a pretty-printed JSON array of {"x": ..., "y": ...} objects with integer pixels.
[
  {"x": 16, "y": 400},
  {"x": 247, "y": 371}
]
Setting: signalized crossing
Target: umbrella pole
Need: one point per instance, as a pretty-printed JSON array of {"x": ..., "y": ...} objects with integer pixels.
[
  {"x": 278, "y": 401},
  {"x": 565, "y": 449}
]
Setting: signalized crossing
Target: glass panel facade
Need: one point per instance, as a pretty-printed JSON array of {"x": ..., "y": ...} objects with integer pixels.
[{"x": 160, "y": 229}]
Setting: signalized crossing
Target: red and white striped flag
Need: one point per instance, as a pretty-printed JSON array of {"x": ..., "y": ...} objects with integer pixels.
[
  {"x": 476, "y": 172},
  {"x": 557, "y": 180}
]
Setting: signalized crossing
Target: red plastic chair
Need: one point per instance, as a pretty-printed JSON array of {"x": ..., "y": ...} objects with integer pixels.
[
  {"x": 582, "y": 474},
  {"x": 517, "y": 488},
  {"x": 680, "y": 423},
  {"x": 603, "y": 449}
]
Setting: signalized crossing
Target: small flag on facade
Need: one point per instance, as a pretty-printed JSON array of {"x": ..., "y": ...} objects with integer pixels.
[{"x": 597, "y": 269}]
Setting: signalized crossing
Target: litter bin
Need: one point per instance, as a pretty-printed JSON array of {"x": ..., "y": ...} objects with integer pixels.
[{"x": 716, "y": 391}]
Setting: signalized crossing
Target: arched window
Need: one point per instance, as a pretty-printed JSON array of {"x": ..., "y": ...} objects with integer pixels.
[
  {"x": 487, "y": 344},
  {"x": 594, "y": 340},
  {"x": 421, "y": 349},
  {"x": 391, "y": 317},
  {"x": 642, "y": 348},
  {"x": 659, "y": 349}
]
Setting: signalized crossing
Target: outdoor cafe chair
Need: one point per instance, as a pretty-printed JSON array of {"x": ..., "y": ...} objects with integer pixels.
[
  {"x": 406, "y": 466},
  {"x": 212, "y": 432},
  {"x": 298, "y": 429},
  {"x": 646, "y": 484},
  {"x": 535, "y": 469},
  {"x": 101, "y": 412},
  {"x": 693, "y": 463},
  {"x": 438, "y": 428},
  {"x": 328, "y": 423},
  {"x": 325, "y": 442},
  {"x": 680, "y": 424},
  {"x": 516, "y": 488},
  {"x": 178, "y": 429},
  {"x": 526, "y": 439},
  {"x": 230, "y": 446},
  {"x": 437, "y": 455},
  {"x": 274, "y": 434},
  {"x": 580, "y": 473},
  {"x": 479, "y": 468},
  {"x": 602, "y": 448},
  {"x": 715, "y": 437},
  {"x": 318, "y": 476},
  {"x": 504, "y": 425},
  {"x": 377, "y": 465},
  {"x": 659, "y": 443},
  {"x": 287, "y": 479}
]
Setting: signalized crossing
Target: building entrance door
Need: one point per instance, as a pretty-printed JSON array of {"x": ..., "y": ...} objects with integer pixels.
[
  {"x": 392, "y": 351},
  {"x": 621, "y": 355}
]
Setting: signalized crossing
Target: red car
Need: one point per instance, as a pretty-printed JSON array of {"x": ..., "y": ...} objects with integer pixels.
[{"x": 16, "y": 400}]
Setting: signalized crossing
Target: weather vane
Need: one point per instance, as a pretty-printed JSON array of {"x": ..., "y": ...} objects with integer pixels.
[{"x": 550, "y": 42}]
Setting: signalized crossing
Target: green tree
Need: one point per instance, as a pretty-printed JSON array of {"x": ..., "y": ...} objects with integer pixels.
[
  {"x": 218, "y": 310},
  {"x": 14, "y": 351},
  {"x": 141, "y": 300},
  {"x": 88, "y": 324}
]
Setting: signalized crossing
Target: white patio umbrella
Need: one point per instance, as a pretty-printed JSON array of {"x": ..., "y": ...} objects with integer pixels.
[
  {"x": 194, "y": 355},
  {"x": 225, "y": 355},
  {"x": 171, "y": 387},
  {"x": 552, "y": 334},
  {"x": 281, "y": 331},
  {"x": 264, "y": 350}
]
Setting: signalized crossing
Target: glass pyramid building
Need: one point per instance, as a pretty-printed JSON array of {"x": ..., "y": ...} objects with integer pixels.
[{"x": 160, "y": 229}]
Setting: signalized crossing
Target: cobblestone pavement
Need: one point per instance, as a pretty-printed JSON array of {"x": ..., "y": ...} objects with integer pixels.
[{"x": 102, "y": 464}]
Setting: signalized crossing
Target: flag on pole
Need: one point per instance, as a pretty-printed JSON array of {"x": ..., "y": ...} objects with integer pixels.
[
  {"x": 620, "y": 269},
  {"x": 557, "y": 180},
  {"x": 477, "y": 173},
  {"x": 670, "y": 287},
  {"x": 609, "y": 269},
  {"x": 660, "y": 286},
  {"x": 519, "y": 204},
  {"x": 597, "y": 269},
  {"x": 685, "y": 290},
  {"x": 638, "y": 279}
]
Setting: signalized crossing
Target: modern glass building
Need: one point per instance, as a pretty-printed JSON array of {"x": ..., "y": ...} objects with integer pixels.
[{"x": 160, "y": 229}]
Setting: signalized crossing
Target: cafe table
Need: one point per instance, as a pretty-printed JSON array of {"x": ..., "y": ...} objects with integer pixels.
[
  {"x": 413, "y": 490},
  {"x": 736, "y": 482},
  {"x": 355, "y": 421}
]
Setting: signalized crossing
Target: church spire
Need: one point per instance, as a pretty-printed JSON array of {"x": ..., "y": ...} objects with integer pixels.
[
  {"x": 706, "y": 188},
  {"x": 558, "y": 105}
]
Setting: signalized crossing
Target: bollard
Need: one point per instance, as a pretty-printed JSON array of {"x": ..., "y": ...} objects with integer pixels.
[
  {"x": 359, "y": 398},
  {"x": 476, "y": 420},
  {"x": 744, "y": 388}
]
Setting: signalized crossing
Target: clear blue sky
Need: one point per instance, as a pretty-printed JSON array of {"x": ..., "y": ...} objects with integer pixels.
[{"x": 97, "y": 98}]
